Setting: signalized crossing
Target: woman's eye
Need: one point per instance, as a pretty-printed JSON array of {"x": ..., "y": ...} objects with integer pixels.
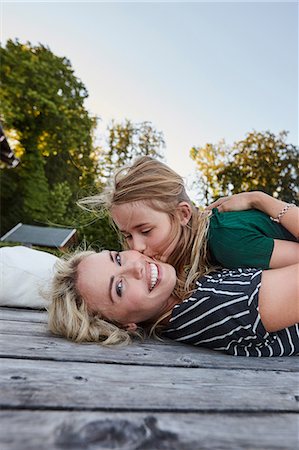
[
  {"x": 119, "y": 288},
  {"x": 118, "y": 259}
]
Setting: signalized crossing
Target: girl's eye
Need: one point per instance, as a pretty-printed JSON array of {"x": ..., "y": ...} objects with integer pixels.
[
  {"x": 118, "y": 259},
  {"x": 119, "y": 288},
  {"x": 146, "y": 231},
  {"x": 127, "y": 237}
]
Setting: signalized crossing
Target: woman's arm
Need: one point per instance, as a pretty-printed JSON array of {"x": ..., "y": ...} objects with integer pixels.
[
  {"x": 263, "y": 202},
  {"x": 278, "y": 298},
  {"x": 284, "y": 254}
]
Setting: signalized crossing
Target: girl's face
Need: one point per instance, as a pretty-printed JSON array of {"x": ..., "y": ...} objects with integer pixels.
[
  {"x": 147, "y": 230},
  {"x": 126, "y": 287}
]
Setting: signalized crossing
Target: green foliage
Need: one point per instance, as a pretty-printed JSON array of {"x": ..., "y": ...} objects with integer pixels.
[
  {"x": 210, "y": 160},
  {"x": 11, "y": 200},
  {"x": 59, "y": 198},
  {"x": 261, "y": 161},
  {"x": 34, "y": 186},
  {"x": 126, "y": 141},
  {"x": 96, "y": 231},
  {"x": 43, "y": 115},
  {"x": 42, "y": 105}
]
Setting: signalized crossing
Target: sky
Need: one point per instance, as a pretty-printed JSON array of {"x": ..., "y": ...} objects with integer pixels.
[{"x": 199, "y": 71}]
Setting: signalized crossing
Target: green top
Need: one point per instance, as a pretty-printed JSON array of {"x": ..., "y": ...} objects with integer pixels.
[{"x": 244, "y": 238}]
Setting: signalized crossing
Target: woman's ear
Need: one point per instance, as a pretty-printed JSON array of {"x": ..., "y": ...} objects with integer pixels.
[
  {"x": 130, "y": 327},
  {"x": 185, "y": 212}
]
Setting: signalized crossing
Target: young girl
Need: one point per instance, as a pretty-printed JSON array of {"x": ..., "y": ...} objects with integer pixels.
[
  {"x": 105, "y": 297},
  {"x": 149, "y": 204}
]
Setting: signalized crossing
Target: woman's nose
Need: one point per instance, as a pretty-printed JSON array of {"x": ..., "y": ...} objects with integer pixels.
[{"x": 135, "y": 269}]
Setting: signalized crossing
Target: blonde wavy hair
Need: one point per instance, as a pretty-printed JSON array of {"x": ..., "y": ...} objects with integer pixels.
[
  {"x": 68, "y": 315},
  {"x": 154, "y": 183}
]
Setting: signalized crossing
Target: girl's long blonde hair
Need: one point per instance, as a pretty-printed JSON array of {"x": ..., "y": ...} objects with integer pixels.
[
  {"x": 68, "y": 314},
  {"x": 153, "y": 182}
]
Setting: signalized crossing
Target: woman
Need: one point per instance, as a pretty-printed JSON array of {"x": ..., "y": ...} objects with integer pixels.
[{"x": 108, "y": 297}]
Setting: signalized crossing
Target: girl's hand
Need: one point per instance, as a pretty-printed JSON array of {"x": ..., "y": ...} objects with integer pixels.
[
  {"x": 263, "y": 202},
  {"x": 237, "y": 202}
]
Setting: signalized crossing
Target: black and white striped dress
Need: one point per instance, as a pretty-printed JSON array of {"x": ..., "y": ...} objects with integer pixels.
[{"x": 223, "y": 314}]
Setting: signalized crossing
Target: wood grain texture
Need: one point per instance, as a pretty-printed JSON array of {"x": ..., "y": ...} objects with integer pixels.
[
  {"x": 32, "y": 340},
  {"x": 55, "y": 394},
  {"x": 23, "y": 315},
  {"x": 48, "y": 430},
  {"x": 69, "y": 385}
]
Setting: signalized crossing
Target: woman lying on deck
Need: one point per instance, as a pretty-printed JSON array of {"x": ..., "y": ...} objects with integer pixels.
[{"x": 109, "y": 297}]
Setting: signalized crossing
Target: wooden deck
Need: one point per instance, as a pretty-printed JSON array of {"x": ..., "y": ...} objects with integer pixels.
[{"x": 149, "y": 396}]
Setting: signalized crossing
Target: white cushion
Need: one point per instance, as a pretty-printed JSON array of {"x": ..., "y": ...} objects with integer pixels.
[{"x": 24, "y": 276}]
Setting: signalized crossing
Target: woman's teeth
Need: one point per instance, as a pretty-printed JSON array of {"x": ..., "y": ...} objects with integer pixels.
[{"x": 154, "y": 275}]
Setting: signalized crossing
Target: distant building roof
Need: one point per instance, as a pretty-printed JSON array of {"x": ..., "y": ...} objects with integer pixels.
[{"x": 43, "y": 236}]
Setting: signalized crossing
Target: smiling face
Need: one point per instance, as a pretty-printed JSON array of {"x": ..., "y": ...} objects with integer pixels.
[
  {"x": 147, "y": 230},
  {"x": 126, "y": 287}
]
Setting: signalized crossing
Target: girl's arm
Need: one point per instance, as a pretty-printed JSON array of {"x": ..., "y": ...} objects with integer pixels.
[{"x": 263, "y": 202}]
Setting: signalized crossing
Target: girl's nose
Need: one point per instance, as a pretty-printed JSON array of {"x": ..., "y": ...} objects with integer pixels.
[{"x": 138, "y": 244}]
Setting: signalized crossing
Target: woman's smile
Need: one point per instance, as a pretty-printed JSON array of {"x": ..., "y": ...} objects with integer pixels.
[{"x": 154, "y": 275}]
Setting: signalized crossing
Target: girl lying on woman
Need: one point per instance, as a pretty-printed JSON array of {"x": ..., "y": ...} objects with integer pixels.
[
  {"x": 108, "y": 297},
  {"x": 149, "y": 204}
]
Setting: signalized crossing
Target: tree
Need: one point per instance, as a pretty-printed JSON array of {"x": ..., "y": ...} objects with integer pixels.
[
  {"x": 59, "y": 198},
  {"x": 262, "y": 161},
  {"x": 127, "y": 140},
  {"x": 210, "y": 160},
  {"x": 44, "y": 116},
  {"x": 43, "y": 108}
]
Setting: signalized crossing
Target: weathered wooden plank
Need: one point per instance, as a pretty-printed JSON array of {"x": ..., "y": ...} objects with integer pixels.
[
  {"x": 15, "y": 327},
  {"x": 22, "y": 315},
  {"x": 50, "y": 384},
  {"x": 47, "y": 430},
  {"x": 32, "y": 340}
]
